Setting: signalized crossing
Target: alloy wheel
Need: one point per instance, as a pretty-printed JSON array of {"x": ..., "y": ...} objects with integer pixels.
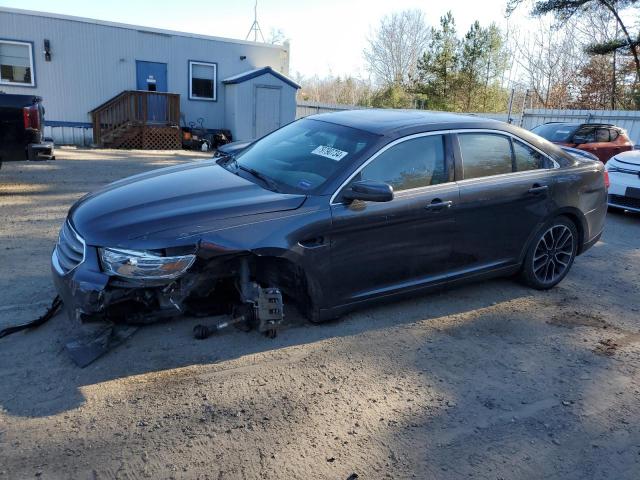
[{"x": 553, "y": 254}]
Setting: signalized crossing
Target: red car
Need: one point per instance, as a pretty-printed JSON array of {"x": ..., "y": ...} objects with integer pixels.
[{"x": 601, "y": 139}]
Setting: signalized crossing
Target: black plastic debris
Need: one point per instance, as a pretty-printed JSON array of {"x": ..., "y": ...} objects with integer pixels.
[{"x": 85, "y": 350}]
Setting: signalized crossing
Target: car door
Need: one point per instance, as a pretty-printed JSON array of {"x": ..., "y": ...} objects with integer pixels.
[
  {"x": 601, "y": 145},
  {"x": 591, "y": 139},
  {"x": 504, "y": 197},
  {"x": 378, "y": 248}
]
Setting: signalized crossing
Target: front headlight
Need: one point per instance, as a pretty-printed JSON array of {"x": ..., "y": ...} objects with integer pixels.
[{"x": 141, "y": 265}]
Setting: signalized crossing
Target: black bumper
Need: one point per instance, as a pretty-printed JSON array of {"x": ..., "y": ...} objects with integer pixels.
[{"x": 82, "y": 289}]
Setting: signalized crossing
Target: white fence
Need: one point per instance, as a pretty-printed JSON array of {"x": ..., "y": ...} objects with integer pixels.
[
  {"x": 80, "y": 136},
  {"x": 627, "y": 119}
]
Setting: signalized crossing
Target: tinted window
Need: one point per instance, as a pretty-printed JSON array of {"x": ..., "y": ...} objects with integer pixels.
[
  {"x": 585, "y": 135},
  {"x": 602, "y": 135},
  {"x": 410, "y": 164},
  {"x": 526, "y": 158},
  {"x": 485, "y": 154},
  {"x": 303, "y": 155},
  {"x": 613, "y": 134},
  {"x": 555, "y": 132}
]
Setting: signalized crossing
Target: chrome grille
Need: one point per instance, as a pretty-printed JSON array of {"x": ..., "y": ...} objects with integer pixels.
[{"x": 69, "y": 251}]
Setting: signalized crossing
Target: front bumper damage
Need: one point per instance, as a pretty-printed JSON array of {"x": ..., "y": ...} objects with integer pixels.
[{"x": 109, "y": 309}]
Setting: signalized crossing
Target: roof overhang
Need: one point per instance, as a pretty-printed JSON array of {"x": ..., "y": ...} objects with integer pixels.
[{"x": 243, "y": 77}]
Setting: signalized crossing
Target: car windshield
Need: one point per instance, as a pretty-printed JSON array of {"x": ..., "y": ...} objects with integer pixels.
[
  {"x": 303, "y": 155},
  {"x": 555, "y": 132}
]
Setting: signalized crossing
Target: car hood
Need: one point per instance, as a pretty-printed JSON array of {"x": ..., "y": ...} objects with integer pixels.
[{"x": 179, "y": 200}]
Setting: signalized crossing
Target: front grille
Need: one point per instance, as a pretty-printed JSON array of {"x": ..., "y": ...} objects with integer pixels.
[
  {"x": 69, "y": 249},
  {"x": 623, "y": 201}
]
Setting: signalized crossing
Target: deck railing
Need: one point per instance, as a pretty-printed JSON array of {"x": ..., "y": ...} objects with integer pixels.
[{"x": 135, "y": 108}]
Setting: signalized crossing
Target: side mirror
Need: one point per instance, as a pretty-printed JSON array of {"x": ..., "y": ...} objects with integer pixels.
[{"x": 369, "y": 191}]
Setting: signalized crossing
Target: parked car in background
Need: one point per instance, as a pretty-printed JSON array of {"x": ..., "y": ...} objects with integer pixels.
[
  {"x": 624, "y": 176},
  {"x": 22, "y": 129},
  {"x": 334, "y": 211},
  {"x": 601, "y": 139}
]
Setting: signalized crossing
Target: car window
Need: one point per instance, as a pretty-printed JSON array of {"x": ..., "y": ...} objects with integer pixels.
[
  {"x": 555, "y": 132},
  {"x": 602, "y": 135},
  {"x": 410, "y": 164},
  {"x": 485, "y": 154},
  {"x": 526, "y": 158},
  {"x": 585, "y": 135},
  {"x": 613, "y": 134}
]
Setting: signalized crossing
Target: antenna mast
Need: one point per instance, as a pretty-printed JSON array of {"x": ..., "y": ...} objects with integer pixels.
[{"x": 255, "y": 27}]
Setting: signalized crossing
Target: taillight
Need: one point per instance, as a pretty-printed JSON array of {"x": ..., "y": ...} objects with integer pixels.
[
  {"x": 35, "y": 117},
  {"x": 606, "y": 180},
  {"x": 31, "y": 117},
  {"x": 26, "y": 115}
]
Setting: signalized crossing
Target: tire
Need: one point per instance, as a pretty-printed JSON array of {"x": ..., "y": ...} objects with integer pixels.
[{"x": 551, "y": 254}]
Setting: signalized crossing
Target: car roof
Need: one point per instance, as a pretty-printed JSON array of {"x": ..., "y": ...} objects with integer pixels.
[
  {"x": 577, "y": 124},
  {"x": 388, "y": 122}
]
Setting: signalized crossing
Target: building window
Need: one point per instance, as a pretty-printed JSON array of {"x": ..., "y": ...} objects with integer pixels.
[
  {"x": 202, "y": 81},
  {"x": 16, "y": 63}
]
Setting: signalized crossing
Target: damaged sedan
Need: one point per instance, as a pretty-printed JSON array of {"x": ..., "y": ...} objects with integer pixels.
[{"x": 329, "y": 213}]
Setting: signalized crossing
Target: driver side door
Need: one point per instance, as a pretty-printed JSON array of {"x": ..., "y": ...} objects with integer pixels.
[{"x": 385, "y": 247}]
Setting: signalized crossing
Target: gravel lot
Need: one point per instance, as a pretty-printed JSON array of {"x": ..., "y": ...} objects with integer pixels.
[{"x": 487, "y": 381}]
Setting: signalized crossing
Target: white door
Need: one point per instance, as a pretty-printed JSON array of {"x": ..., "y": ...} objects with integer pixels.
[{"x": 267, "y": 111}]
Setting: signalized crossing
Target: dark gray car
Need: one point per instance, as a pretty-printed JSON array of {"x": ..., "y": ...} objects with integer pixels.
[{"x": 333, "y": 211}]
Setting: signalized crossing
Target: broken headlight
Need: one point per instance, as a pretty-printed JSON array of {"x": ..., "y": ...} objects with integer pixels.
[{"x": 143, "y": 265}]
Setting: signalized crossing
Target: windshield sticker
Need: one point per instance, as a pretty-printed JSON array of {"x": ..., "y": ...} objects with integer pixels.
[
  {"x": 329, "y": 152},
  {"x": 306, "y": 184}
]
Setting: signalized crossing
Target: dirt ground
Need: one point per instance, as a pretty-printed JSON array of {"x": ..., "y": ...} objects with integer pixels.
[{"x": 486, "y": 381}]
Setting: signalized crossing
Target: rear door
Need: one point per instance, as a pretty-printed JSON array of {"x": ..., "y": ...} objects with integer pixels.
[
  {"x": 389, "y": 246},
  {"x": 601, "y": 147},
  {"x": 504, "y": 197}
]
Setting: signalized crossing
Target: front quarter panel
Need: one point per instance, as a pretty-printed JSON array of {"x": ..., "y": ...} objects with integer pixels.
[{"x": 300, "y": 236}]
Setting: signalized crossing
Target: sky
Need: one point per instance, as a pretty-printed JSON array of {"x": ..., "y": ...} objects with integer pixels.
[{"x": 327, "y": 36}]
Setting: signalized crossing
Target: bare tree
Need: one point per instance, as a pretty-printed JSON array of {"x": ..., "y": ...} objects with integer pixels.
[
  {"x": 550, "y": 60},
  {"x": 395, "y": 47},
  {"x": 276, "y": 37},
  {"x": 335, "y": 90}
]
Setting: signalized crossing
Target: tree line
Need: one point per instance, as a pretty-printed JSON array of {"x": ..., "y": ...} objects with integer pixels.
[{"x": 580, "y": 54}]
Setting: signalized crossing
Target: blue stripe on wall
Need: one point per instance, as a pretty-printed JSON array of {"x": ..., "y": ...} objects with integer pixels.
[{"x": 56, "y": 123}]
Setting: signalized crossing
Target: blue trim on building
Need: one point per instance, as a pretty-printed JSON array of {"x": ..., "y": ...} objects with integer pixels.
[
  {"x": 256, "y": 73},
  {"x": 215, "y": 85},
  {"x": 33, "y": 60},
  {"x": 59, "y": 123}
]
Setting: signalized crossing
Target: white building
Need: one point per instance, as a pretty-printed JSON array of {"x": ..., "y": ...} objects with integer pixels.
[{"x": 78, "y": 64}]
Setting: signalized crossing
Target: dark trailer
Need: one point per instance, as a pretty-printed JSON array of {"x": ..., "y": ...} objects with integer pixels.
[{"x": 21, "y": 128}]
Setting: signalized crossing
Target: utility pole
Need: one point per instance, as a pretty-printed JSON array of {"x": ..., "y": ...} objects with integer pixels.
[
  {"x": 509, "y": 110},
  {"x": 524, "y": 106},
  {"x": 255, "y": 26}
]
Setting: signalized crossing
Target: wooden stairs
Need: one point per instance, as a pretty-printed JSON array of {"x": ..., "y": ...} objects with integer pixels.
[{"x": 137, "y": 119}]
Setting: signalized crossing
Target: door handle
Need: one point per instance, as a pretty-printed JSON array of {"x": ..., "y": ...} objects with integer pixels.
[
  {"x": 437, "y": 205},
  {"x": 538, "y": 189}
]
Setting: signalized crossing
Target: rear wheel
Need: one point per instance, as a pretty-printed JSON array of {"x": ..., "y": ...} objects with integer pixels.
[{"x": 551, "y": 254}]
